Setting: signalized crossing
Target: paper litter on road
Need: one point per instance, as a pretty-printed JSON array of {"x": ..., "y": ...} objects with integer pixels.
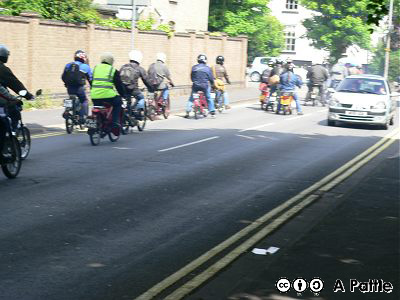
[{"x": 270, "y": 250}]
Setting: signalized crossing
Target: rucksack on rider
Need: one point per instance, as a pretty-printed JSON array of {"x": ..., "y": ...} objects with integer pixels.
[
  {"x": 75, "y": 76},
  {"x": 130, "y": 74},
  {"x": 159, "y": 76}
]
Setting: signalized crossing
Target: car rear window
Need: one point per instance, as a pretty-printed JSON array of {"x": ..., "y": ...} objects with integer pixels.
[{"x": 363, "y": 85}]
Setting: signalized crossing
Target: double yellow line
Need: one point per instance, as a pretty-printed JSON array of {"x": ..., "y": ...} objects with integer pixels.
[{"x": 279, "y": 215}]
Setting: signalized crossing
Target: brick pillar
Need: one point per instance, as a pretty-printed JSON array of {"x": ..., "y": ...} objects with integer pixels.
[
  {"x": 192, "y": 54},
  {"x": 223, "y": 43},
  {"x": 32, "y": 45},
  {"x": 90, "y": 41},
  {"x": 243, "y": 59},
  {"x": 206, "y": 42}
]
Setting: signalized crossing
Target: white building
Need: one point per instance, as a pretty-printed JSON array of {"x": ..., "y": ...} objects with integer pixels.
[
  {"x": 183, "y": 15},
  {"x": 291, "y": 14}
]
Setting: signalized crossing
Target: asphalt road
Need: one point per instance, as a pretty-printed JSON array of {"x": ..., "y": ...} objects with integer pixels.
[{"x": 110, "y": 222}]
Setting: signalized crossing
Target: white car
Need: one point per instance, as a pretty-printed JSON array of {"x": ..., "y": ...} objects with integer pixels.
[
  {"x": 362, "y": 99},
  {"x": 258, "y": 66}
]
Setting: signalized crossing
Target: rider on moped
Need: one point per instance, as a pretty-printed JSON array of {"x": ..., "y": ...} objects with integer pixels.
[
  {"x": 202, "y": 77},
  {"x": 160, "y": 71},
  {"x": 288, "y": 83},
  {"x": 317, "y": 76},
  {"x": 220, "y": 73},
  {"x": 9, "y": 81},
  {"x": 107, "y": 86},
  {"x": 130, "y": 74},
  {"x": 75, "y": 80}
]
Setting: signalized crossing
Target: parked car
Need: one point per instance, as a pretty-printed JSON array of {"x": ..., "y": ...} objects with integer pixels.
[
  {"x": 363, "y": 99},
  {"x": 257, "y": 67}
]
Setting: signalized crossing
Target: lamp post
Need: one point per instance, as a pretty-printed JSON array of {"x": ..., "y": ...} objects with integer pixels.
[
  {"x": 387, "y": 50},
  {"x": 133, "y": 24}
]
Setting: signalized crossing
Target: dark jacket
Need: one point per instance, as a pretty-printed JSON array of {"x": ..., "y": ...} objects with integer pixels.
[
  {"x": 201, "y": 75},
  {"x": 8, "y": 80},
  {"x": 317, "y": 75},
  {"x": 277, "y": 70},
  {"x": 139, "y": 72}
]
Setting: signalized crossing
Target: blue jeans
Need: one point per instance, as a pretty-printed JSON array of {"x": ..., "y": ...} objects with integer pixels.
[
  {"x": 222, "y": 94},
  {"x": 296, "y": 99},
  {"x": 207, "y": 93},
  {"x": 165, "y": 93},
  {"x": 79, "y": 91},
  {"x": 139, "y": 97}
]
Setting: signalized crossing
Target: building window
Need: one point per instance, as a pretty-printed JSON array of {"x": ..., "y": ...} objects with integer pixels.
[
  {"x": 291, "y": 4},
  {"x": 290, "y": 39}
]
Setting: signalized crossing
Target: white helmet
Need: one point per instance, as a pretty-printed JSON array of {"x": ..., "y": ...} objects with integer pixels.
[
  {"x": 162, "y": 57},
  {"x": 136, "y": 55},
  {"x": 107, "y": 57}
]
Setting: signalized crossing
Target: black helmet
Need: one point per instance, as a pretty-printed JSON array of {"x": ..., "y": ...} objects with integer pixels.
[
  {"x": 4, "y": 53},
  {"x": 220, "y": 59},
  {"x": 289, "y": 66},
  {"x": 81, "y": 56},
  {"x": 202, "y": 59},
  {"x": 279, "y": 62}
]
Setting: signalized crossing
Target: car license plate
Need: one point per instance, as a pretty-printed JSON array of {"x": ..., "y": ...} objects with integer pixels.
[
  {"x": 68, "y": 103},
  {"x": 355, "y": 113},
  {"x": 91, "y": 123}
]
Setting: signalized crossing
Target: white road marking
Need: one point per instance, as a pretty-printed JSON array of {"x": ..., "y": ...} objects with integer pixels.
[
  {"x": 245, "y": 136},
  {"x": 294, "y": 118},
  {"x": 257, "y": 127},
  {"x": 188, "y": 144},
  {"x": 122, "y": 148}
]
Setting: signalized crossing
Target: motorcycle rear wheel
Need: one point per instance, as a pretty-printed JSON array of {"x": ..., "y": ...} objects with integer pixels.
[
  {"x": 166, "y": 109},
  {"x": 125, "y": 124},
  {"x": 142, "y": 123},
  {"x": 12, "y": 149},
  {"x": 69, "y": 124},
  {"x": 151, "y": 113},
  {"x": 24, "y": 137}
]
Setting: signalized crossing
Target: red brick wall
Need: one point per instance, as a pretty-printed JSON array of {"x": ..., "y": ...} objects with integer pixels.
[{"x": 41, "y": 48}]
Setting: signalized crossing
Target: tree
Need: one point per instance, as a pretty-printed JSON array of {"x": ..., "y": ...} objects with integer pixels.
[
  {"x": 340, "y": 24},
  {"x": 251, "y": 18},
  {"x": 378, "y": 62},
  {"x": 68, "y": 11}
]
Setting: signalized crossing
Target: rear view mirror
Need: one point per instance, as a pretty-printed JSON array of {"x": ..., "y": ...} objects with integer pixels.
[{"x": 38, "y": 92}]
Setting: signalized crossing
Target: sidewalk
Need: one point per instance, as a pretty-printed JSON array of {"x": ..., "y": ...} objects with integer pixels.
[{"x": 357, "y": 239}]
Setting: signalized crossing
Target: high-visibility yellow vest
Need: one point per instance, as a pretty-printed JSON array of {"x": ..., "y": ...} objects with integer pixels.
[{"x": 102, "y": 84}]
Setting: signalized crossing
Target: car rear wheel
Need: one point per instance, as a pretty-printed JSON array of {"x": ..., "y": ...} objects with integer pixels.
[{"x": 255, "y": 76}]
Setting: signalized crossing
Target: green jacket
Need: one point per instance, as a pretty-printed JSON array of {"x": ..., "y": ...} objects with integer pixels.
[{"x": 102, "y": 85}]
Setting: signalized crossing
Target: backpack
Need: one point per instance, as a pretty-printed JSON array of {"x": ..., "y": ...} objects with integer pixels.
[
  {"x": 154, "y": 78},
  {"x": 129, "y": 75},
  {"x": 73, "y": 76}
]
